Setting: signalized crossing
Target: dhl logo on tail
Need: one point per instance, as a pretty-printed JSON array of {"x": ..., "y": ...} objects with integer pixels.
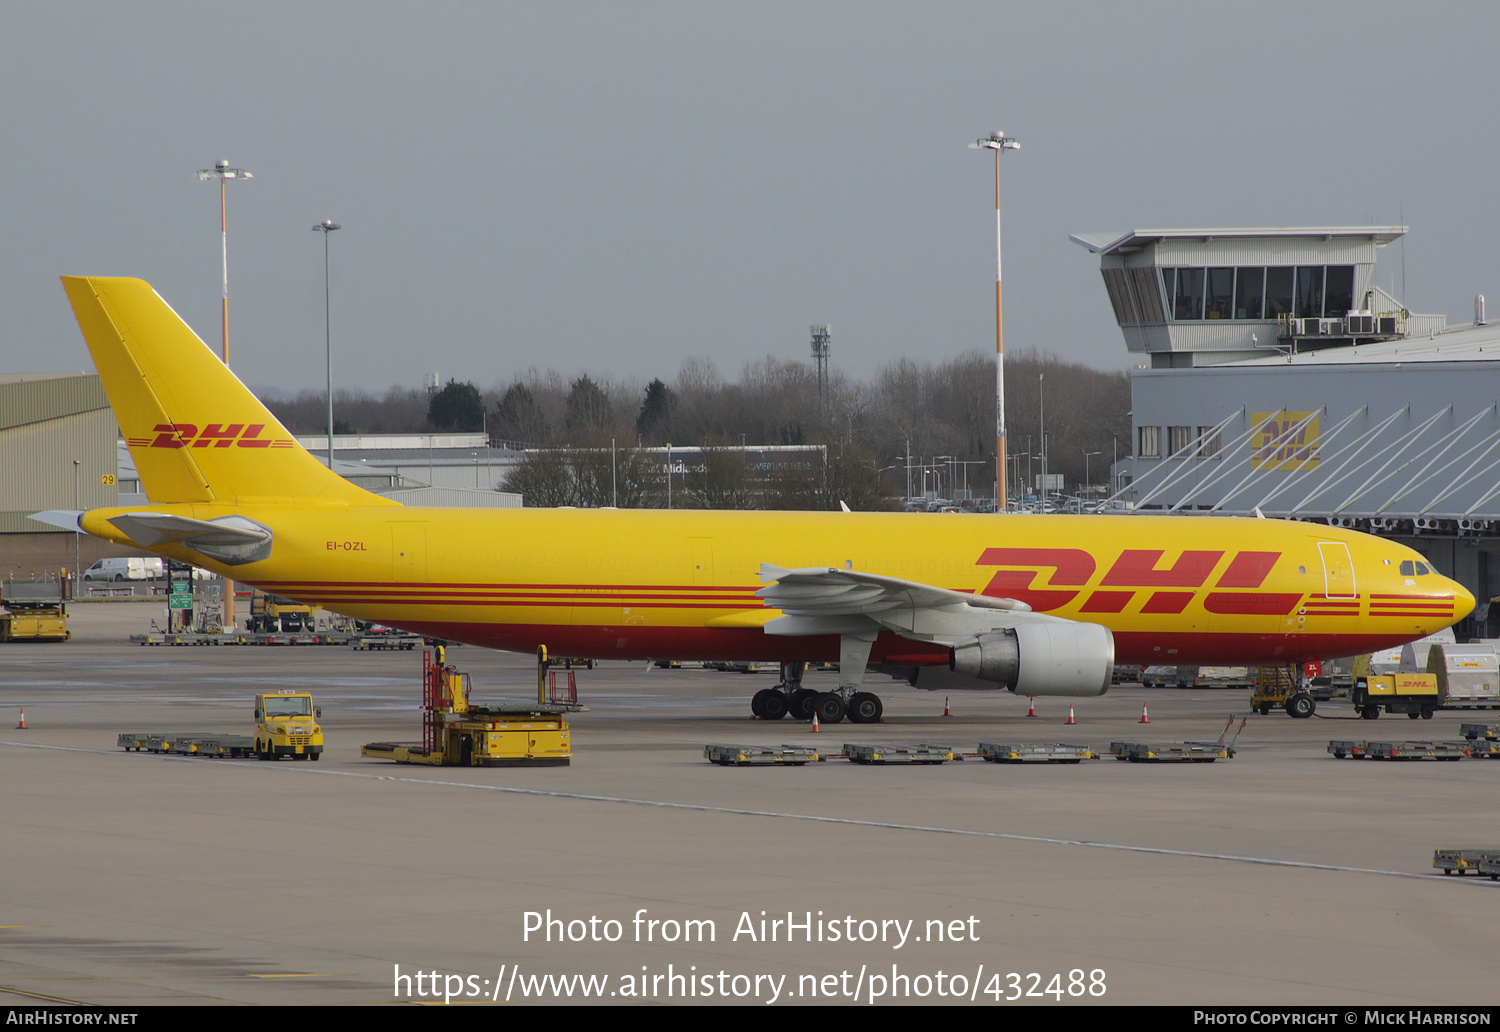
[{"x": 214, "y": 435}]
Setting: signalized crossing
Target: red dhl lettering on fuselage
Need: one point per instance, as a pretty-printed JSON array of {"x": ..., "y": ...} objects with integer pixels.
[
  {"x": 1073, "y": 569},
  {"x": 214, "y": 435}
]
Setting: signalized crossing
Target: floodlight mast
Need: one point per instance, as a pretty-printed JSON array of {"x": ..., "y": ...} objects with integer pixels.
[
  {"x": 997, "y": 141},
  {"x": 325, "y": 227},
  {"x": 222, "y": 172}
]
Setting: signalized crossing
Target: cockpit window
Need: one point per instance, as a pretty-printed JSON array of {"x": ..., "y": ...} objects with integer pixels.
[
  {"x": 1406, "y": 568},
  {"x": 1422, "y": 568}
]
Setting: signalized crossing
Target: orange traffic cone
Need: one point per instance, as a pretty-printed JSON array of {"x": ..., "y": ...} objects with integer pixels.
[
  {"x": 815, "y": 728},
  {"x": 1145, "y": 718},
  {"x": 1032, "y": 711},
  {"x": 947, "y": 710},
  {"x": 22, "y": 725},
  {"x": 1070, "y": 719}
]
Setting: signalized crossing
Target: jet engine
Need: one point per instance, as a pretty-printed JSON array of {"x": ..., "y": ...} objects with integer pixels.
[{"x": 1053, "y": 657}]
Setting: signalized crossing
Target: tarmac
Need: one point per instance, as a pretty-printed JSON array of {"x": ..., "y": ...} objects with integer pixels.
[{"x": 1282, "y": 876}]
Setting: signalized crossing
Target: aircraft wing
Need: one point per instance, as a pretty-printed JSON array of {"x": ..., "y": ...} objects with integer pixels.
[
  {"x": 829, "y": 591},
  {"x": 992, "y": 639}
]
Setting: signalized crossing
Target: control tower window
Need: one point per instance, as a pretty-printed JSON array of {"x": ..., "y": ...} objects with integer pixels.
[
  {"x": 1309, "y": 291},
  {"x": 1219, "y": 294},
  {"x": 1188, "y": 299},
  {"x": 1278, "y": 291},
  {"x": 1249, "y": 292},
  {"x": 1338, "y": 295}
]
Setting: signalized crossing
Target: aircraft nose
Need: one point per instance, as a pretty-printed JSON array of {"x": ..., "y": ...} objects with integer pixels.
[{"x": 1463, "y": 601}]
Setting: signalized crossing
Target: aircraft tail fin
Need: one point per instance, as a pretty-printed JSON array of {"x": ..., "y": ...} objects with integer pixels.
[{"x": 197, "y": 433}]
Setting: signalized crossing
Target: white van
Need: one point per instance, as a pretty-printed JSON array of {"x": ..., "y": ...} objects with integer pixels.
[{"x": 126, "y": 568}]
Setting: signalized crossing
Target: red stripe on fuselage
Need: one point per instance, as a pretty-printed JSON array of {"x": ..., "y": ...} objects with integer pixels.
[{"x": 697, "y": 643}]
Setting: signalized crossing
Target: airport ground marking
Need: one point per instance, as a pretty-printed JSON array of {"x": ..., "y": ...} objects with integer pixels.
[
  {"x": 42, "y": 997},
  {"x": 741, "y": 812}
]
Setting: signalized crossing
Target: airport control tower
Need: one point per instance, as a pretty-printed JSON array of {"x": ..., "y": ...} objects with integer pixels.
[{"x": 1194, "y": 297}]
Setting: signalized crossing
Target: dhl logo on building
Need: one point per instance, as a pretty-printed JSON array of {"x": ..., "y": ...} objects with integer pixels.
[
  {"x": 214, "y": 435},
  {"x": 1286, "y": 441}
]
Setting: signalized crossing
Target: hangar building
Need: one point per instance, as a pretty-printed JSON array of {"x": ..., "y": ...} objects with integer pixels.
[{"x": 57, "y": 446}]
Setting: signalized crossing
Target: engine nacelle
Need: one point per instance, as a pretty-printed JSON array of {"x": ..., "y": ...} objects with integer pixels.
[{"x": 1053, "y": 657}]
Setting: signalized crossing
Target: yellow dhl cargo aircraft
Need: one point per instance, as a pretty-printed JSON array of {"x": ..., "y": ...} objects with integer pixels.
[{"x": 1039, "y": 605}]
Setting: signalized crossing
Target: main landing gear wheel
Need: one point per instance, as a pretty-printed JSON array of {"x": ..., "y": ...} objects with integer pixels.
[
  {"x": 831, "y": 708},
  {"x": 1300, "y": 705},
  {"x": 865, "y": 708},
  {"x": 758, "y": 702},
  {"x": 800, "y": 705},
  {"x": 772, "y": 704}
]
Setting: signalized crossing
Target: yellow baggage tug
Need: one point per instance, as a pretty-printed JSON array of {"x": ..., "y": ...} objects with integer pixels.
[
  {"x": 286, "y": 724},
  {"x": 456, "y": 734}
]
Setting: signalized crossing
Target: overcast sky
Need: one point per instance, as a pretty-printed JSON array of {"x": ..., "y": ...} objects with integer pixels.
[{"x": 618, "y": 186}]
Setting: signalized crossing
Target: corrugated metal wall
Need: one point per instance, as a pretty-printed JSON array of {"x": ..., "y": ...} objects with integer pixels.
[{"x": 46, "y": 424}]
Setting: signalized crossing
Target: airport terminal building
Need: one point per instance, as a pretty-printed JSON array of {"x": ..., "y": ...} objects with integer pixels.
[{"x": 1282, "y": 381}]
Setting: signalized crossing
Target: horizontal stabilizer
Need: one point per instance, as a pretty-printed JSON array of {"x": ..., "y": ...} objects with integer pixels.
[
  {"x": 67, "y": 519},
  {"x": 232, "y": 539}
]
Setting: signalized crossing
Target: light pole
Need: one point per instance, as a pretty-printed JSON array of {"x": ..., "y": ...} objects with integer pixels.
[
  {"x": 77, "y": 535},
  {"x": 946, "y": 460},
  {"x": 1114, "y": 461},
  {"x": 1041, "y": 404},
  {"x": 964, "y": 464},
  {"x": 223, "y": 173},
  {"x": 1086, "y": 467},
  {"x": 997, "y": 141},
  {"x": 325, "y": 227}
]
